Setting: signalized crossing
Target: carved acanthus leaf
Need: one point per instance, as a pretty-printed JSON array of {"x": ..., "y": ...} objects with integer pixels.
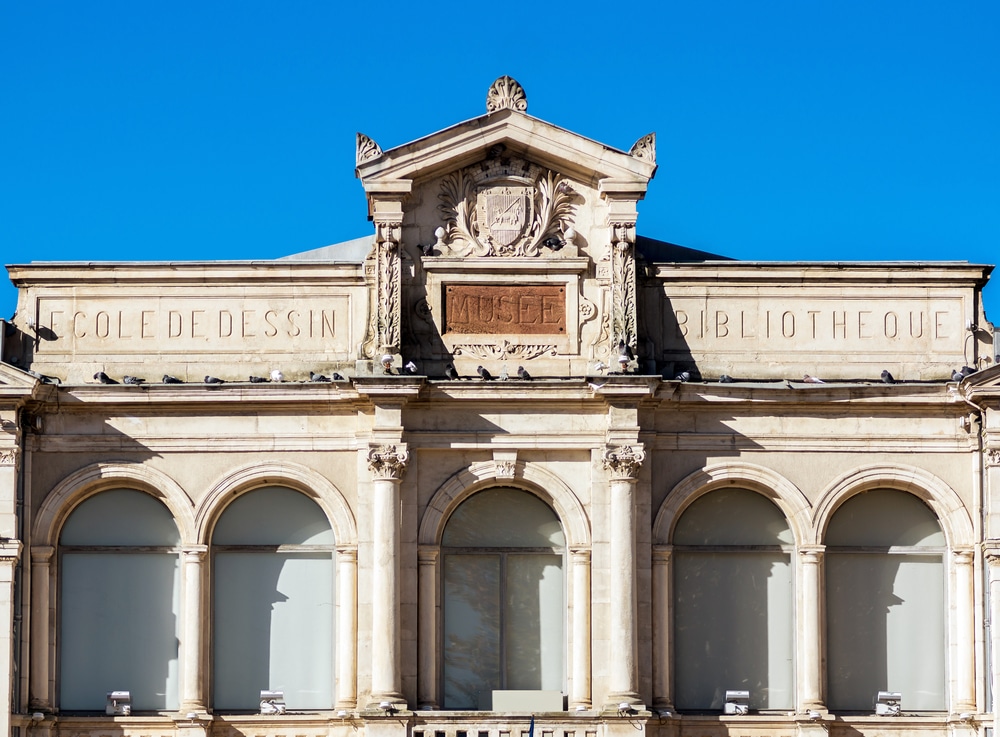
[
  {"x": 624, "y": 461},
  {"x": 505, "y": 351},
  {"x": 367, "y": 149},
  {"x": 387, "y": 461},
  {"x": 645, "y": 148},
  {"x": 7, "y": 457},
  {"x": 505, "y": 469},
  {"x": 506, "y": 94},
  {"x": 993, "y": 457}
]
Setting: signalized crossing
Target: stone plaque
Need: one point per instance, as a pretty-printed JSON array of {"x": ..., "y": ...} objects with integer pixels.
[{"x": 505, "y": 309}]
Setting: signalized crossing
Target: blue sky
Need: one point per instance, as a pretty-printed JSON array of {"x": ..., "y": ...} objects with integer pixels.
[{"x": 787, "y": 130}]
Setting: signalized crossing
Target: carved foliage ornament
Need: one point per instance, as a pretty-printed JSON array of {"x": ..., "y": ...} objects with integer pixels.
[
  {"x": 623, "y": 461},
  {"x": 367, "y": 149},
  {"x": 7, "y": 457},
  {"x": 505, "y": 351},
  {"x": 645, "y": 148},
  {"x": 384, "y": 273},
  {"x": 506, "y": 94},
  {"x": 993, "y": 457},
  {"x": 507, "y": 216},
  {"x": 387, "y": 461},
  {"x": 623, "y": 294}
]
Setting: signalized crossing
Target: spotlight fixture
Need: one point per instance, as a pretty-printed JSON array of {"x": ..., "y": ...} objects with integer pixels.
[
  {"x": 119, "y": 703},
  {"x": 388, "y": 707},
  {"x": 737, "y": 703},
  {"x": 814, "y": 715},
  {"x": 887, "y": 703},
  {"x": 272, "y": 702},
  {"x": 625, "y": 709}
]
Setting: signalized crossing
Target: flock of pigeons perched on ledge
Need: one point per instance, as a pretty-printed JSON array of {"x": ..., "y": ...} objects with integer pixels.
[{"x": 410, "y": 369}]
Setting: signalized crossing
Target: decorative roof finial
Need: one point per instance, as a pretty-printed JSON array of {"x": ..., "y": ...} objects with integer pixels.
[
  {"x": 645, "y": 148},
  {"x": 367, "y": 149},
  {"x": 506, "y": 94}
]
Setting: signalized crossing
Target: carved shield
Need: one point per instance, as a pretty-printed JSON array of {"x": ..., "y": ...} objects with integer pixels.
[{"x": 504, "y": 212}]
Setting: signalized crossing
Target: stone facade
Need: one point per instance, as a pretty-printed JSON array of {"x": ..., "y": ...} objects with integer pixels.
[{"x": 634, "y": 383}]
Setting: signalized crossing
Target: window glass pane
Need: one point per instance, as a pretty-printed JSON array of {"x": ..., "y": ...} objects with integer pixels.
[
  {"x": 119, "y": 629},
  {"x": 534, "y": 622},
  {"x": 273, "y": 628},
  {"x": 886, "y": 629},
  {"x": 501, "y": 518},
  {"x": 471, "y": 630},
  {"x": 120, "y": 517},
  {"x": 733, "y": 628},
  {"x": 732, "y": 517},
  {"x": 884, "y": 517},
  {"x": 273, "y": 516}
]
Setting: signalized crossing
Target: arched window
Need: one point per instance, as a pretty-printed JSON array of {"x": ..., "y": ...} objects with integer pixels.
[
  {"x": 885, "y": 594},
  {"x": 504, "y": 600},
  {"x": 733, "y": 604},
  {"x": 119, "y": 600},
  {"x": 273, "y": 599}
]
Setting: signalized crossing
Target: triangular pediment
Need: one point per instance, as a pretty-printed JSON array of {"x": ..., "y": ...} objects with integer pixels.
[{"x": 521, "y": 135}]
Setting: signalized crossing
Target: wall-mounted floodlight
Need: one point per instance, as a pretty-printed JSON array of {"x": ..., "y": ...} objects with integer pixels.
[
  {"x": 388, "y": 707},
  {"x": 625, "y": 709},
  {"x": 814, "y": 715},
  {"x": 272, "y": 702},
  {"x": 119, "y": 703},
  {"x": 887, "y": 703},
  {"x": 737, "y": 703}
]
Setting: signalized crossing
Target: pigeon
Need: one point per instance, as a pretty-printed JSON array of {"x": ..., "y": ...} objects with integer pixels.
[
  {"x": 318, "y": 377},
  {"x": 600, "y": 367},
  {"x": 957, "y": 376},
  {"x": 258, "y": 380},
  {"x": 887, "y": 377},
  {"x": 104, "y": 378},
  {"x": 276, "y": 375},
  {"x": 683, "y": 376},
  {"x": 504, "y": 376},
  {"x": 132, "y": 379},
  {"x": 725, "y": 379},
  {"x": 625, "y": 351},
  {"x": 427, "y": 250},
  {"x": 484, "y": 374},
  {"x": 213, "y": 380},
  {"x": 451, "y": 372},
  {"x": 44, "y": 379},
  {"x": 168, "y": 379},
  {"x": 410, "y": 368},
  {"x": 337, "y": 377},
  {"x": 968, "y": 370},
  {"x": 812, "y": 380},
  {"x": 522, "y": 374}
]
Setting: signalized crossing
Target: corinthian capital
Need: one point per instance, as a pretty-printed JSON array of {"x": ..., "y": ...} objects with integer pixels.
[
  {"x": 387, "y": 461},
  {"x": 623, "y": 461}
]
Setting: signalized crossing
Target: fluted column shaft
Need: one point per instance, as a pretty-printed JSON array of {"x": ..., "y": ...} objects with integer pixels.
[
  {"x": 192, "y": 627},
  {"x": 41, "y": 624},
  {"x": 581, "y": 655}
]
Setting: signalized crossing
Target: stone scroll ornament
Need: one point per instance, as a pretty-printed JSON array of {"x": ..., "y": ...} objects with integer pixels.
[
  {"x": 492, "y": 211},
  {"x": 387, "y": 461},
  {"x": 506, "y": 94},
  {"x": 623, "y": 461},
  {"x": 367, "y": 149},
  {"x": 623, "y": 309},
  {"x": 383, "y": 273}
]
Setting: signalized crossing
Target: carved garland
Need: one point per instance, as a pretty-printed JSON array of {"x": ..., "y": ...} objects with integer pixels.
[
  {"x": 538, "y": 210},
  {"x": 383, "y": 271},
  {"x": 623, "y": 319},
  {"x": 505, "y": 351}
]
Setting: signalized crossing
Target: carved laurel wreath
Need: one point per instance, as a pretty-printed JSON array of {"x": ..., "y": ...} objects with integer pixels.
[{"x": 553, "y": 210}]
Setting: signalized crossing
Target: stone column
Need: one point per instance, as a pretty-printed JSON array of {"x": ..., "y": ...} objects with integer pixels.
[
  {"x": 965, "y": 661},
  {"x": 427, "y": 647},
  {"x": 10, "y": 551},
  {"x": 622, "y": 463},
  {"x": 387, "y": 464},
  {"x": 347, "y": 628},
  {"x": 810, "y": 643},
  {"x": 662, "y": 625},
  {"x": 992, "y": 555},
  {"x": 41, "y": 625},
  {"x": 581, "y": 654},
  {"x": 193, "y": 623}
]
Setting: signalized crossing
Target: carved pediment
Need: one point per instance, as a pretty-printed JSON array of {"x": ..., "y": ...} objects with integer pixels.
[{"x": 506, "y": 207}]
